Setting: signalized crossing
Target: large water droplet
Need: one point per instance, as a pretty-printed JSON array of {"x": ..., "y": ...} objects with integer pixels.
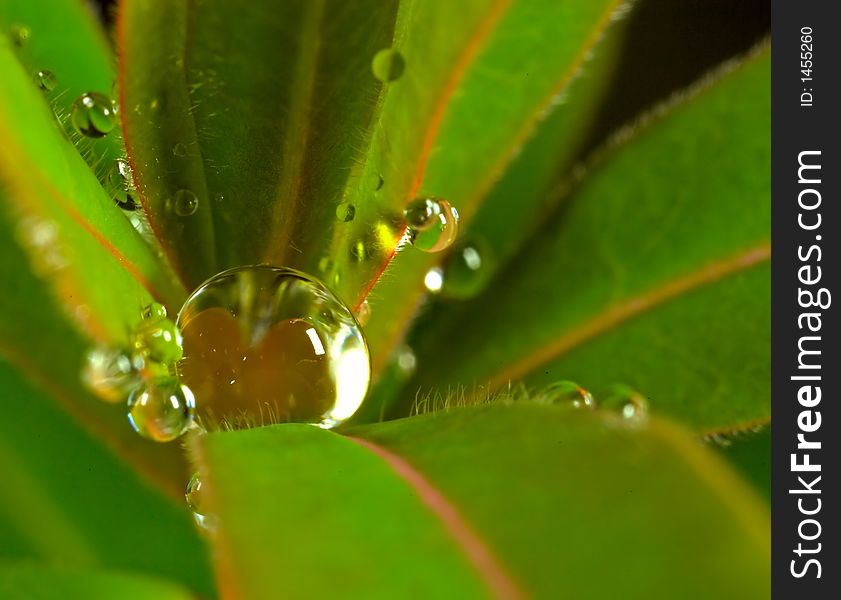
[
  {"x": 185, "y": 203},
  {"x": 268, "y": 344},
  {"x": 432, "y": 224},
  {"x": 345, "y": 212},
  {"x": 159, "y": 340},
  {"x": 626, "y": 401},
  {"x": 161, "y": 409},
  {"x": 120, "y": 185},
  {"x": 568, "y": 393},
  {"x": 93, "y": 114},
  {"x": 197, "y": 504},
  {"x": 388, "y": 65},
  {"x": 45, "y": 80},
  {"x": 467, "y": 270},
  {"x": 110, "y": 374}
]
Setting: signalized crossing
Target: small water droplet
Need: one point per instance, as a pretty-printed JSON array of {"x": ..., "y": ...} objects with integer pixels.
[
  {"x": 154, "y": 310},
  {"x": 363, "y": 313},
  {"x": 185, "y": 203},
  {"x": 292, "y": 349},
  {"x": 388, "y": 65},
  {"x": 19, "y": 35},
  {"x": 159, "y": 340},
  {"x": 568, "y": 393},
  {"x": 432, "y": 224},
  {"x": 45, "y": 80},
  {"x": 195, "y": 502},
  {"x": 434, "y": 280},
  {"x": 467, "y": 270},
  {"x": 179, "y": 149},
  {"x": 120, "y": 185},
  {"x": 626, "y": 401},
  {"x": 161, "y": 409},
  {"x": 345, "y": 212},
  {"x": 110, "y": 374},
  {"x": 406, "y": 361},
  {"x": 93, "y": 114},
  {"x": 377, "y": 182}
]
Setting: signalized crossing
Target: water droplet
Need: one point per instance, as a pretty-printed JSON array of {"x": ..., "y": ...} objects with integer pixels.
[
  {"x": 159, "y": 340},
  {"x": 377, "y": 182},
  {"x": 19, "y": 35},
  {"x": 406, "y": 361},
  {"x": 45, "y": 80},
  {"x": 120, "y": 185},
  {"x": 93, "y": 114},
  {"x": 432, "y": 224},
  {"x": 179, "y": 149},
  {"x": 110, "y": 374},
  {"x": 363, "y": 313},
  {"x": 154, "y": 310},
  {"x": 345, "y": 212},
  {"x": 626, "y": 401},
  {"x": 161, "y": 409},
  {"x": 388, "y": 65},
  {"x": 467, "y": 270},
  {"x": 433, "y": 281},
  {"x": 196, "y": 503},
  {"x": 185, "y": 203},
  {"x": 267, "y": 344},
  {"x": 568, "y": 393}
]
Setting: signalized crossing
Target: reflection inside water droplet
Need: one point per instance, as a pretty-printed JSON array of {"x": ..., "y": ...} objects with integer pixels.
[
  {"x": 161, "y": 409},
  {"x": 194, "y": 496},
  {"x": 266, "y": 344},
  {"x": 120, "y": 185},
  {"x": 93, "y": 114}
]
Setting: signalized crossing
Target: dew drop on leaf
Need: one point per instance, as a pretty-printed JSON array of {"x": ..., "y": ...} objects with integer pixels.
[
  {"x": 467, "y": 270},
  {"x": 626, "y": 401},
  {"x": 345, "y": 212},
  {"x": 45, "y": 80},
  {"x": 161, "y": 409},
  {"x": 388, "y": 65},
  {"x": 432, "y": 224},
  {"x": 120, "y": 185},
  {"x": 154, "y": 310},
  {"x": 93, "y": 114},
  {"x": 567, "y": 393},
  {"x": 194, "y": 497},
  {"x": 19, "y": 35},
  {"x": 179, "y": 149},
  {"x": 159, "y": 340},
  {"x": 110, "y": 374},
  {"x": 377, "y": 182},
  {"x": 267, "y": 344},
  {"x": 185, "y": 203}
]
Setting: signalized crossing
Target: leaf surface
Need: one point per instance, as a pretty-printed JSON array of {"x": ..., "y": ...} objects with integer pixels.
[
  {"x": 35, "y": 582},
  {"x": 505, "y": 501},
  {"x": 653, "y": 273}
]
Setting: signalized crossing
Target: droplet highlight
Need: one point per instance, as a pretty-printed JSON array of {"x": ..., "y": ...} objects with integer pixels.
[
  {"x": 45, "y": 80},
  {"x": 267, "y": 344},
  {"x": 626, "y": 401},
  {"x": 388, "y": 65},
  {"x": 93, "y": 114},
  {"x": 161, "y": 409},
  {"x": 432, "y": 224},
  {"x": 19, "y": 35}
]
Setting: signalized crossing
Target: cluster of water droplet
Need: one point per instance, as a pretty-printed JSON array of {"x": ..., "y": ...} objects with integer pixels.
[
  {"x": 160, "y": 407},
  {"x": 620, "y": 399}
]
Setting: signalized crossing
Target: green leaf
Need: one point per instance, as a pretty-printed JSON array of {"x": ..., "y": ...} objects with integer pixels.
[
  {"x": 63, "y": 38},
  {"x": 654, "y": 272},
  {"x": 99, "y": 266},
  {"x": 509, "y": 501},
  {"x": 750, "y": 452},
  {"x": 35, "y": 582},
  {"x": 67, "y": 500}
]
